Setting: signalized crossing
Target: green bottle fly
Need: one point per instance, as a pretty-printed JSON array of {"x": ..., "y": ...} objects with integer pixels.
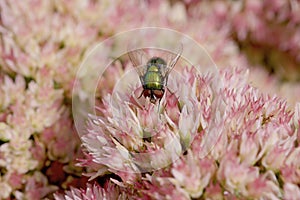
[{"x": 154, "y": 74}]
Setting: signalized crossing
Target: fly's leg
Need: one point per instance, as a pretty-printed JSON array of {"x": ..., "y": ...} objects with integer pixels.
[
  {"x": 152, "y": 97},
  {"x": 170, "y": 91},
  {"x": 141, "y": 93},
  {"x": 158, "y": 105},
  {"x": 160, "y": 101}
]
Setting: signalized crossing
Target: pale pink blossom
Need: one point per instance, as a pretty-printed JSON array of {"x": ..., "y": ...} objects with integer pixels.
[
  {"x": 193, "y": 174},
  {"x": 236, "y": 175},
  {"x": 36, "y": 187},
  {"x": 291, "y": 191},
  {"x": 16, "y": 156},
  {"x": 60, "y": 139},
  {"x": 38, "y": 151},
  {"x": 94, "y": 192},
  {"x": 272, "y": 18},
  {"x": 15, "y": 180},
  {"x": 5, "y": 190},
  {"x": 155, "y": 187},
  {"x": 291, "y": 171},
  {"x": 213, "y": 191},
  {"x": 12, "y": 91},
  {"x": 274, "y": 159}
]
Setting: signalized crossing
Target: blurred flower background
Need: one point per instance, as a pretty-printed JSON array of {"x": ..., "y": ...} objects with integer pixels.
[{"x": 254, "y": 43}]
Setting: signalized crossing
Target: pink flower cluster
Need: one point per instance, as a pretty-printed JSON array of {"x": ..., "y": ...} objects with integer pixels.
[
  {"x": 267, "y": 31},
  {"x": 26, "y": 111},
  {"x": 273, "y": 28},
  {"x": 255, "y": 155}
]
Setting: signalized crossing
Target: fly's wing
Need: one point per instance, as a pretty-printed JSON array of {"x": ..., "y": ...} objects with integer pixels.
[
  {"x": 139, "y": 59},
  {"x": 171, "y": 60}
]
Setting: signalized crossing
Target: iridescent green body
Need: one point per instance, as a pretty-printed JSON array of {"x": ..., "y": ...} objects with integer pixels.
[{"x": 153, "y": 79}]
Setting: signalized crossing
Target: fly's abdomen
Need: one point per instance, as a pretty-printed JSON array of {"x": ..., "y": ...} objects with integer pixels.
[{"x": 153, "y": 81}]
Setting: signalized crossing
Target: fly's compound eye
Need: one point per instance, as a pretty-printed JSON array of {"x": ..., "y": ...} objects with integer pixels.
[
  {"x": 158, "y": 93},
  {"x": 147, "y": 93}
]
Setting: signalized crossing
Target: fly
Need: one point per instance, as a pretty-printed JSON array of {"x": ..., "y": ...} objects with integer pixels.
[{"x": 153, "y": 72}]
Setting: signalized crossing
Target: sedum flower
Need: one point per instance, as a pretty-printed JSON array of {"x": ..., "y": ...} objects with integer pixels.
[
  {"x": 269, "y": 84},
  {"x": 290, "y": 171},
  {"x": 60, "y": 140},
  {"x": 132, "y": 138},
  {"x": 30, "y": 107},
  {"x": 193, "y": 174},
  {"x": 155, "y": 187},
  {"x": 253, "y": 156},
  {"x": 16, "y": 156},
  {"x": 291, "y": 191},
  {"x": 36, "y": 187},
  {"x": 93, "y": 192},
  {"x": 38, "y": 107},
  {"x": 277, "y": 19},
  {"x": 5, "y": 189}
]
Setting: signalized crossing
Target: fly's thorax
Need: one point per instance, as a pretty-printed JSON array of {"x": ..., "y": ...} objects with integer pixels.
[
  {"x": 156, "y": 61},
  {"x": 153, "y": 68}
]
